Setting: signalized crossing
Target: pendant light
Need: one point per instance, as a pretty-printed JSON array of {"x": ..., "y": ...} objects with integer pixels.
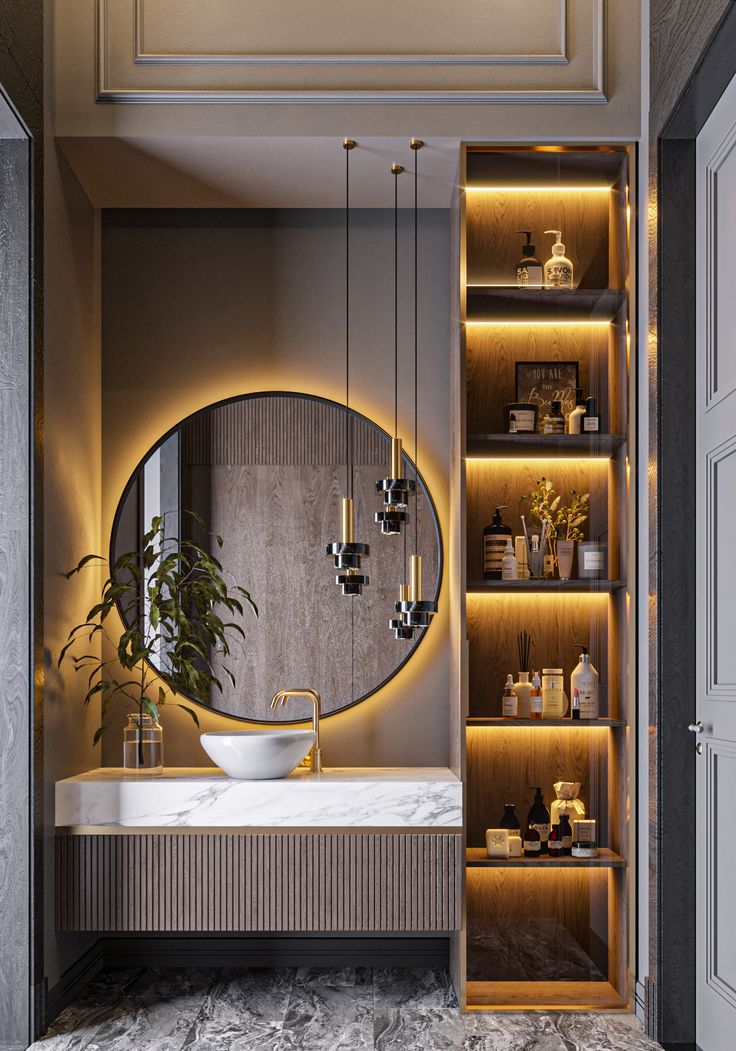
[
  {"x": 347, "y": 553},
  {"x": 395, "y": 489},
  {"x": 415, "y": 611}
]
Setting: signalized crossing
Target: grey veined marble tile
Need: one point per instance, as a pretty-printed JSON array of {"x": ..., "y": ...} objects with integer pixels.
[
  {"x": 512, "y": 1032},
  {"x": 595, "y": 1032},
  {"x": 419, "y": 1028},
  {"x": 407, "y": 987},
  {"x": 79, "y": 1022},
  {"x": 329, "y": 1018},
  {"x": 243, "y": 1011},
  {"x": 334, "y": 976},
  {"x": 156, "y": 1014}
]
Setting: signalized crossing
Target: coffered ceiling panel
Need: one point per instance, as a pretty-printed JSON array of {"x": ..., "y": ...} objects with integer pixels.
[{"x": 331, "y": 50}]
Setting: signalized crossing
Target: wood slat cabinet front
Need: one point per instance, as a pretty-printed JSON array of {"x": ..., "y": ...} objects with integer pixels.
[{"x": 222, "y": 881}]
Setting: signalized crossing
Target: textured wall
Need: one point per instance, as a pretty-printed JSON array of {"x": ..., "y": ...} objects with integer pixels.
[{"x": 199, "y": 306}]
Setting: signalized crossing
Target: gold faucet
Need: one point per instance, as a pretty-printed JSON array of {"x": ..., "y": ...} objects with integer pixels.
[{"x": 314, "y": 757}]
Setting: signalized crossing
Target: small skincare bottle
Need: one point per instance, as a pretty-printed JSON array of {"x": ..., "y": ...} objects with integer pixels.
[
  {"x": 532, "y": 843},
  {"x": 509, "y": 704},
  {"x": 554, "y": 843},
  {"x": 558, "y": 268},
  {"x": 535, "y": 698},
  {"x": 523, "y": 690},
  {"x": 591, "y": 420},
  {"x": 575, "y": 419},
  {"x": 509, "y": 567},
  {"x": 554, "y": 421}
]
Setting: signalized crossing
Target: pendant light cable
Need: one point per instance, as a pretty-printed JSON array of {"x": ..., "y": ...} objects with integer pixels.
[
  {"x": 397, "y": 171},
  {"x": 416, "y": 147},
  {"x": 348, "y": 422}
]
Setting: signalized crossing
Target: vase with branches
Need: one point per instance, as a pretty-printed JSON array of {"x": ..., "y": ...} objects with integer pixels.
[
  {"x": 179, "y": 612},
  {"x": 563, "y": 521}
]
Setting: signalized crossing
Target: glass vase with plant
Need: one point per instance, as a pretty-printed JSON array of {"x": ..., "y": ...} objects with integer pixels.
[
  {"x": 560, "y": 522},
  {"x": 178, "y": 615}
]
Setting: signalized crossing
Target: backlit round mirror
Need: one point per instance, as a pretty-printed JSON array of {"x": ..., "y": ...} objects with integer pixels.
[{"x": 267, "y": 472}]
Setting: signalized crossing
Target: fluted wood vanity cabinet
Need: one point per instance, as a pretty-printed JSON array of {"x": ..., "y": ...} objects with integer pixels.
[
  {"x": 246, "y": 881},
  {"x": 373, "y": 850},
  {"x": 543, "y": 932}
]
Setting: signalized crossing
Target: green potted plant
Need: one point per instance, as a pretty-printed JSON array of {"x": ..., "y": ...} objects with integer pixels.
[
  {"x": 563, "y": 521},
  {"x": 178, "y": 614}
]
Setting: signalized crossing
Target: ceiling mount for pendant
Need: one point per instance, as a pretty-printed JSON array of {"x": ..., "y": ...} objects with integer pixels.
[{"x": 347, "y": 553}]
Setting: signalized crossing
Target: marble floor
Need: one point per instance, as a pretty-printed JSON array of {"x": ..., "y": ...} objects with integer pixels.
[{"x": 313, "y": 1010}]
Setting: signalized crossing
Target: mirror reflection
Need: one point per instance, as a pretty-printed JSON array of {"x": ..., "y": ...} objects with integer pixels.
[{"x": 266, "y": 472}]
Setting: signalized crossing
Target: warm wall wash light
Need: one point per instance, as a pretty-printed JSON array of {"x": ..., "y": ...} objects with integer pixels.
[
  {"x": 347, "y": 554},
  {"x": 414, "y": 611},
  {"x": 395, "y": 489}
]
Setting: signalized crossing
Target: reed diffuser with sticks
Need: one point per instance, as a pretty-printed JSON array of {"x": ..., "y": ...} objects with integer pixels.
[{"x": 522, "y": 687}]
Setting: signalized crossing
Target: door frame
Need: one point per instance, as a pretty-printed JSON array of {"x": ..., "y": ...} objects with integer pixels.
[{"x": 677, "y": 907}]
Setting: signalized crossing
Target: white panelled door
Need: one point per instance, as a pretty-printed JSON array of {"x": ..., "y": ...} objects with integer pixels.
[{"x": 715, "y": 532}]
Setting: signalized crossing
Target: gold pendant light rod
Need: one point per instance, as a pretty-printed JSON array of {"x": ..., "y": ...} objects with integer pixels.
[{"x": 347, "y": 554}]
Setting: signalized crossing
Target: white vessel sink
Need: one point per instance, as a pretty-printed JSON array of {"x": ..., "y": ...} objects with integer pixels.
[{"x": 258, "y": 755}]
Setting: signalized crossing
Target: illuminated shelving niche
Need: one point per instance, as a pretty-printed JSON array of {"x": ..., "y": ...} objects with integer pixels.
[{"x": 539, "y": 932}]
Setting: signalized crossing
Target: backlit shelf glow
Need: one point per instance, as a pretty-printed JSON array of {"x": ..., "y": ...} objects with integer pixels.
[
  {"x": 540, "y": 456},
  {"x": 538, "y": 189},
  {"x": 549, "y": 324}
]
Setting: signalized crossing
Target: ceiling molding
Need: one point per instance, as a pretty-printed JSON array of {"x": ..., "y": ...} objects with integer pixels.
[{"x": 132, "y": 77}]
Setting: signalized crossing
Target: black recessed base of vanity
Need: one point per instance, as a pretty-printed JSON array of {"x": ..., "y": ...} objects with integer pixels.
[{"x": 276, "y": 950}]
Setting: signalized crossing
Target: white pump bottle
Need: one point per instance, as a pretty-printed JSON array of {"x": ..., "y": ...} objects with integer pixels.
[{"x": 558, "y": 271}]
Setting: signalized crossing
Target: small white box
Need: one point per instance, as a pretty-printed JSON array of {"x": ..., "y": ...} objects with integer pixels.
[
  {"x": 515, "y": 846},
  {"x": 497, "y": 842}
]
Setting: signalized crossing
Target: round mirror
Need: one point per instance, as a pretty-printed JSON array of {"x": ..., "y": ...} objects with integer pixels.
[{"x": 267, "y": 473}]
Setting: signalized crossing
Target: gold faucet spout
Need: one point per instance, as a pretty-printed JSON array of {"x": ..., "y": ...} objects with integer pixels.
[{"x": 314, "y": 758}]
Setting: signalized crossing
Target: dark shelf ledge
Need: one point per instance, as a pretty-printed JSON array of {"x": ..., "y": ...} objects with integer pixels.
[
  {"x": 482, "y": 587},
  {"x": 541, "y": 445},
  {"x": 476, "y": 857},
  {"x": 507, "y": 302},
  {"x": 493, "y": 720}
]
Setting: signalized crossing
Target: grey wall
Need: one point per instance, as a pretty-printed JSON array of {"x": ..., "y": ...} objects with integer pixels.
[
  {"x": 199, "y": 306},
  {"x": 72, "y": 442}
]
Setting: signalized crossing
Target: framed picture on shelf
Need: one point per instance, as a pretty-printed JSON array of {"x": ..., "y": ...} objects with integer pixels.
[{"x": 542, "y": 382}]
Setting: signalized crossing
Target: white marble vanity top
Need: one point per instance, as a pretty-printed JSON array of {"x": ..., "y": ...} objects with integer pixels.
[{"x": 204, "y": 797}]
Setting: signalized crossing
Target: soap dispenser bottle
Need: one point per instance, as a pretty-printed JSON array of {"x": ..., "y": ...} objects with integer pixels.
[
  {"x": 529, "y": 272},
  {"x": 558, "y": 268},
  {"x": 586, "y": 682},
  {"x": 495, "y": 537}
]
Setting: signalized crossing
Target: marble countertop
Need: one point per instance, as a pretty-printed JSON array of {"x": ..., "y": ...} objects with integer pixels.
[{"x": 204, "y": 797}]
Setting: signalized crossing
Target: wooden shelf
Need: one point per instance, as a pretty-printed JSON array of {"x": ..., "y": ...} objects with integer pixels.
[
  {"x": 476, "y": 857},
  {"x": 575, "y": 724},
  {"x": 565, "y": 996},
  {"x": 480, "y": 587},
  {"x": 508, "y": 303},
  {"x": 544, "y": 445}
]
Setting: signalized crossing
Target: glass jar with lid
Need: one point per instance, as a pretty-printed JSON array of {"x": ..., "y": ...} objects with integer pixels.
[{"x": 554, "y": 699}]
